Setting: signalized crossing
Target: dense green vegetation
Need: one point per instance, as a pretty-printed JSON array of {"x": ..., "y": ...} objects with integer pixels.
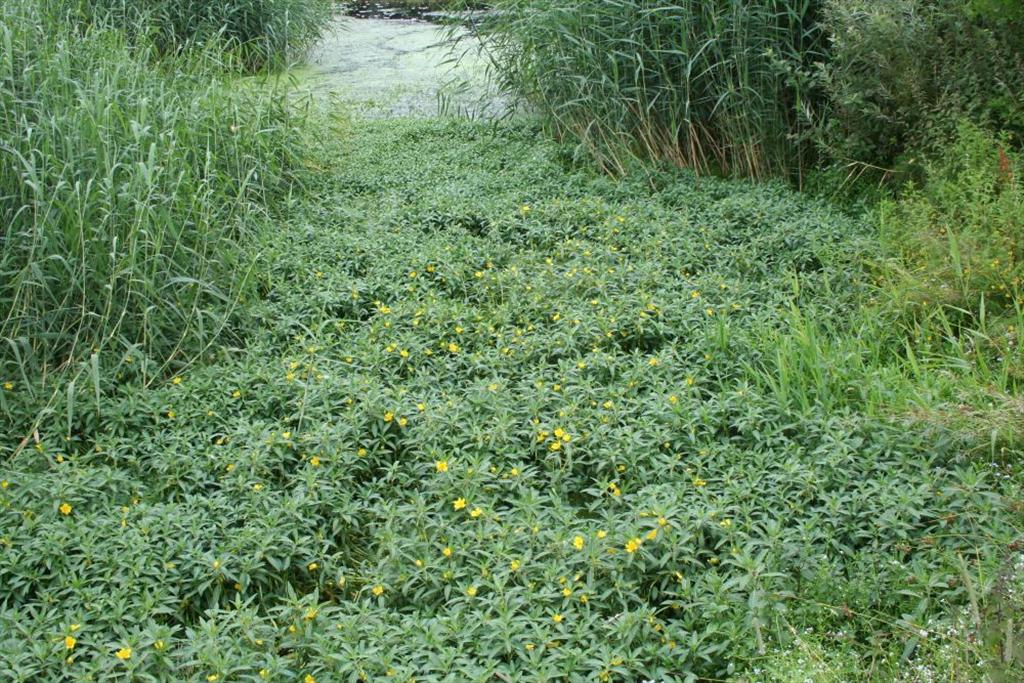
[
  {"x": 128, "y": 186},
  {"x": 702, "y": 84},
  {"x": 763, "y": 87},
  {"x": 253, "y": 32},
  {"x": 295, "y": 395},
  {"x": 662, "y": 471}
]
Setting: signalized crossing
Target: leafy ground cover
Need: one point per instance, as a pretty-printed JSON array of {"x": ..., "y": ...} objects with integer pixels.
[{"x": 492, "y": 419}]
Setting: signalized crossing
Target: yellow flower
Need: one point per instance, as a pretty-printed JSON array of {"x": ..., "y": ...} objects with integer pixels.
[
  {"x": 9, "y": 386},
  {"x": 441, "y": 465},
  {"x": 4, "y": 484},
  {"x": 699, "y": 483},
  {"x": 309, "y": 679},
  {"x": 403, "y": 353},
  {"x": 65, "y": 509},
  {"x": 673, "y": 399},
  {"x": 471, "y": 591},
  {"x": 421, "y": 407},
  {"x": 577, "y": 543},
  {"x": 602, "y": 533},
  {"x": 566, "y": 592},
  {"x": 125, "y": 653},
  {"x": 236, "y": 394},
  {"x": 690, "y": 381},
  {"x": 459, "y": 503},
  {"x": 314, "y": 461},
  {"x": 378, "y": 590},
  {"x": 653, "y": 362},
  {"x": 216, "y": 564},
  {"x": 212, "y": 677},
  {"x": 607, "y": 405},
  {"x": 447, "y": 552},
  {"x": 515, "y": 565},
  {"x": 160, "y": 646},
  {"x": 418, "y": 563},
  {"x": 557, "y": 618},
  {"x": 633, "y": 544},
  {"x": 476, "y": 512},
  {"x": 312, "y": 566},
  {"x": 652, "y": 534},
  {"x": 453, "y": 348},
  {"x": 361, "y": 453},
  {"x": 69, "y": 642},
  {"x": 171, "y": 414},
  {"x": 662, "y": 521},
  {"x": 726, "y": 523},
  {"x": 264, "y": 673},
  {"x": 389, "y": 416}
]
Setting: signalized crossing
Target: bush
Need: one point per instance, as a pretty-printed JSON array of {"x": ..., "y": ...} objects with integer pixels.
[
  {"x": 127, "y": 185},
  {"x": 706, "y": 84},
  {"x": 903, "y": 73}
]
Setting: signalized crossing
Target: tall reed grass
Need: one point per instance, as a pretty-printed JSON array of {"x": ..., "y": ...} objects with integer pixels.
[
  {"x": 711, "y": 84},
  {"x": 255, "y": 33},
  {"x": 128, "y": 185}
]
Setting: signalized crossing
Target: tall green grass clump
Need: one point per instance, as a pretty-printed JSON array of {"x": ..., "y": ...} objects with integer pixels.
[
  {"x": 128, "y": 184},
  {"x": 956, "y": 273},
  {"x": 258, "y": 33},
  {"x": 710, "y": 84}
]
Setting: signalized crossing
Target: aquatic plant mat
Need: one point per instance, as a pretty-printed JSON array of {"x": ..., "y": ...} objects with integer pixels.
[{"x": 499, "y": 420}]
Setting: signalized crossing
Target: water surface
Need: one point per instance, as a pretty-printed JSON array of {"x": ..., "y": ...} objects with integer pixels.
[{"x": 395, "y": 67}]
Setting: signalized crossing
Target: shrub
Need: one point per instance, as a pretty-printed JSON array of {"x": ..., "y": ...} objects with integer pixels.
[
  {"x": 127, "y": 185},
  {"x": 902, "y": 73},
  {"x": 707, "y": 84}
]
